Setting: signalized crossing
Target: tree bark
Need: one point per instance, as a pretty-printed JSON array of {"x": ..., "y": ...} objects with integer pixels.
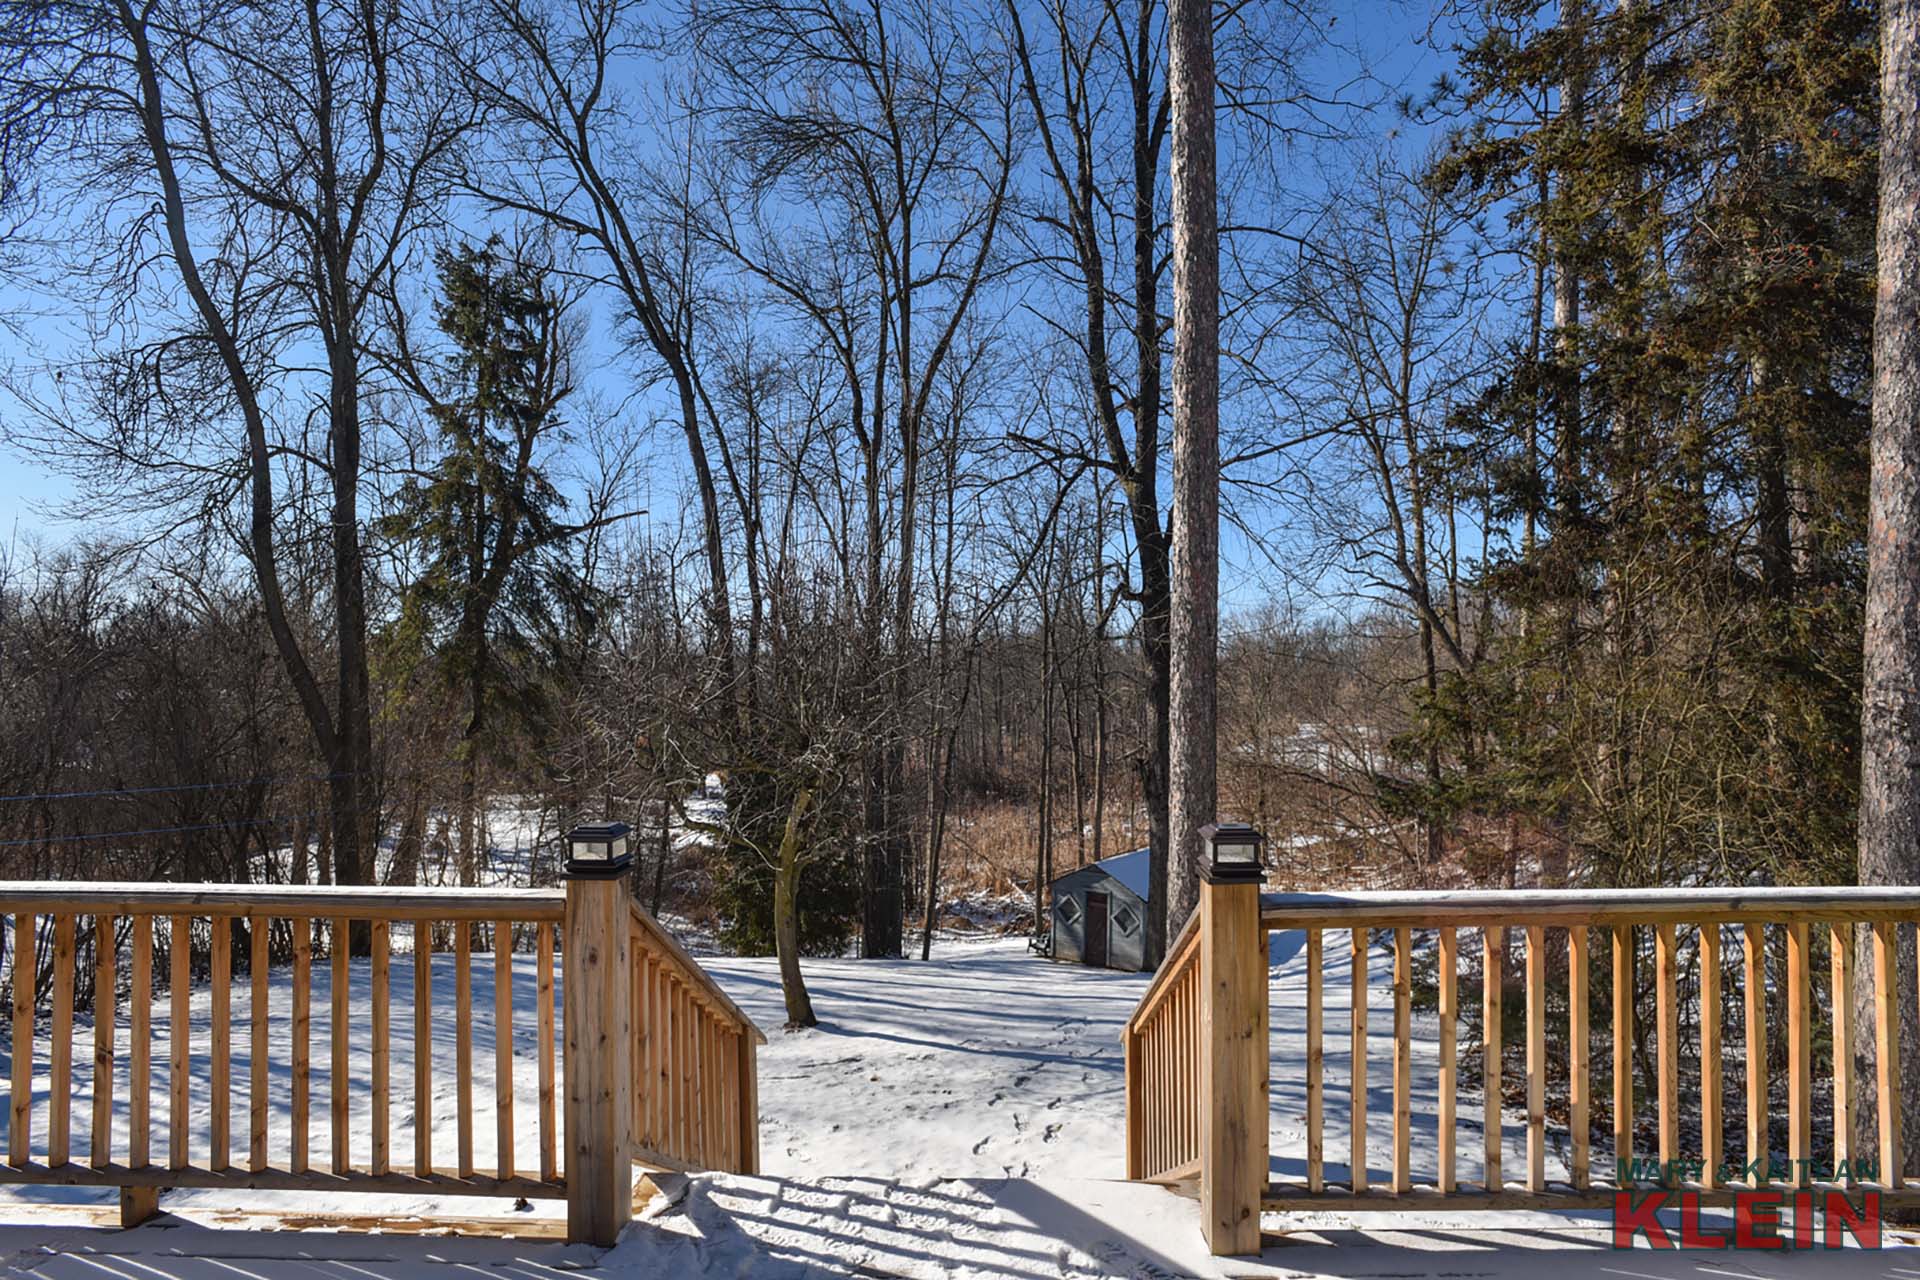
[
  {"x": 1194, "y": 620},
  {"x": 1890, "y": 701},
  {"x": 786, "y": 915}
]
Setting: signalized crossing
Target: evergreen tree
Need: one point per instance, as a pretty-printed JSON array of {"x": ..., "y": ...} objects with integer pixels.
[
  {"x": 1673, "y": 694},
  {"x": 496, "y": 593}
]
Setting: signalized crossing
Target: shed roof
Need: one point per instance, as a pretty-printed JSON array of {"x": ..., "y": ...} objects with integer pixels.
[{"x": 1130, "y": 869}]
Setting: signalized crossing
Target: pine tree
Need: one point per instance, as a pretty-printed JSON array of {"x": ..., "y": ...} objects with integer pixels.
[
  {"x": 495, "y": 594},
  {"x": 1674, "y": 697}
]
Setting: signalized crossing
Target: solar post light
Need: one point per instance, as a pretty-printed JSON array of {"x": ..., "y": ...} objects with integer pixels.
[
  {"x": 599, "y": 851},
  {"x": 1233, "y": 852}
]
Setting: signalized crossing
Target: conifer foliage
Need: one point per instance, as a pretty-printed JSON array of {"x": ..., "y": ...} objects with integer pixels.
[{"x": 1677, "y": 440}]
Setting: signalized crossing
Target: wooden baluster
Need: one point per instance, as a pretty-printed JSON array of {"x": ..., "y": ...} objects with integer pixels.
[
  {"x": 637, "y": 997},
  {"x": 1711, "y": 1068},
  {"x": 423, "y": 1047},
  {"x": 1886, "y": 1039},
  {"x": 716, "y": 1038},
  {"x": 1494, "y": 942},
  {"x": 749, "y": 1104},
  {"x": 463, "y": 1045},
  {"x": 1149, "y": 1101},
  {"x": 220, "y": 1155},
  {"x": 1170, "y": 1090},
  {"x": 381, "y": 1158},
  {"x": 1623, "y": 986},
  {"x": 1185, "y": 1063},
  {"x": 1840, "y": 936},
  {"x": 549, "y": 1148},
  {"x": 1754, "y": 995},
  {"x": 676, "y": 1103},
  {"x": 140, "y": 1042},
  {"x": 259, "y": 971},
  {"x": 703, "y": 1082},
  {"x": 1402, "y": 1060},
  {"x": 1799, "y": 1052},
  {"x": 106, "y": 997},
  {"x": 1666, "y": 981},
  {"x": 1316, "y": 1067},
  {"x": 729, "y": 1060},
  {"x": 1357, "y": 1160},
  {"x": 60, "y": 1044},
  {"x": 339, "y": 1066},
  {"x": 662, "y": 1056},
  {"x": 1175, "y": 1117},
  {"x": 688, "y": 1101},
  {"x": 20, "y": 1113},
  {"x": 503, "y": 1049},
  {"x": 1449, "y": 1067},
  {"x": 179, "y": 1027},
  {"x": 703, "y": 1033},
  {"x": 302, "y": 1048},
  {"x": 1579, "y": 1058},
  {"x": 1135, "y": 1101},
  {"x": 1168, "y": 1142},
  {"x": 1536, "y": 1057},
  {"x": 1166, "y": 1104},
  {"x": 137, "y": 1204}
]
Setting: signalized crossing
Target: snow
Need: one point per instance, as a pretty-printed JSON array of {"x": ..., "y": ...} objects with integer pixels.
[
  {"x": 959, "y": 1118},
  {"x": 1130, "y": 869}
]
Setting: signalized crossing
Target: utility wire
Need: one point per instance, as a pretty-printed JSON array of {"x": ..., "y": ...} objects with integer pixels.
[
  {"x": 189, "y": 786},
  {"x": 148, "y": 831}
]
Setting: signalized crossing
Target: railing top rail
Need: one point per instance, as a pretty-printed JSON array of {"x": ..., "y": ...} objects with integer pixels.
[
  {"x": 1473, "y": 907},
  {"x": 1180, "y": 953},
  {"x": 357, "y": 902},
  {"x": 695, "y": 972}
]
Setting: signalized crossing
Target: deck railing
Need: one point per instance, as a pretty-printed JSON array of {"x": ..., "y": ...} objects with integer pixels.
[
  {"x": 357, "y": 938},
  {"x": 1721, "y": 926}
]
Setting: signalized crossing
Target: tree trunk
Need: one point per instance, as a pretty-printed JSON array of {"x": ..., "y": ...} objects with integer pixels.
[
  {"x": 1191, "y": 791},
  {"x": 661, "y": 855},
  {"x": 1043, "y": 849},
  {"x": 1890, "y": 702},
  {"x": 786, "y": 915}
]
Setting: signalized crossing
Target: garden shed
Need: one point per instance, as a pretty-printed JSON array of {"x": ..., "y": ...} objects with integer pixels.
[{"x": 1100, "y": 913}]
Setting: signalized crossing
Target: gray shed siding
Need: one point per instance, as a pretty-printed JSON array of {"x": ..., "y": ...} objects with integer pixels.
[{"x": 1125, "y": 950}]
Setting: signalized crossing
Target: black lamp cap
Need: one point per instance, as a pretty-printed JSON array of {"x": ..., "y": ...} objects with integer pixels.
[
  {"x": 604, "y": 831},
  {"x": 1218, "y": 833},
  {"x": 598, "y": 833}
]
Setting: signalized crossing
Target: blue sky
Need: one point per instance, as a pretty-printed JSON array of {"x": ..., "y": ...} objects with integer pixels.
[{"x": 1394, "y": 35}]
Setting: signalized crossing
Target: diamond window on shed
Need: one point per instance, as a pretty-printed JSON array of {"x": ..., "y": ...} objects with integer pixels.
[
  {"x": 1070, "y": 911},
  {"x": 1126, "y": 920}
]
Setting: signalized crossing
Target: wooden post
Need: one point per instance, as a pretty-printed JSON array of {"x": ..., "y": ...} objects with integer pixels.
[
  {"x": 1233, "y": 1065},
  {"x": 597, "y": 1075},
  {"x": 749, "y": 1086},
  {"x": 1135, "y": 1104}
]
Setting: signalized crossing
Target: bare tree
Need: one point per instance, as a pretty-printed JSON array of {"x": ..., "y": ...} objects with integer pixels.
[
  {"x": 895, "y": 125},
  {"x": 275, "y": 163}
]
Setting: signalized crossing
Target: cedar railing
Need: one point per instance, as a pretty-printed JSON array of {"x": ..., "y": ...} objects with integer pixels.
[
  {"x": 127, "y": 926},
  {"x": 1161, "y": 1044},
  {"x": 695, "y": 1088},
  {"x": 1231, "y": 1159}
]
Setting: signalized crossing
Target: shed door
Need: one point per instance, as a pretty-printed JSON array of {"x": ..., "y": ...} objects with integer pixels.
[{"x": 1095, "y": 951}]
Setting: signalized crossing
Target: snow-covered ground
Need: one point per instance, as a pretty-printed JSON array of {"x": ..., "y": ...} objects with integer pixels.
[{"x": 956, "y": 1118}]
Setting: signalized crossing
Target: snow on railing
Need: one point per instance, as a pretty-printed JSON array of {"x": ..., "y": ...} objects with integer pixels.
[{"x": 201, "y": 933}]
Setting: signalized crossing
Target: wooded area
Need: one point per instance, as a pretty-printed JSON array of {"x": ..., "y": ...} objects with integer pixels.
[{"x": 753, "y": 421}]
